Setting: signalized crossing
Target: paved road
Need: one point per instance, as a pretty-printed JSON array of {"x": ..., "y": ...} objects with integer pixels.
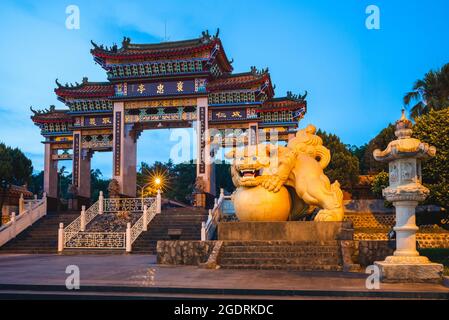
[{"x": 141, "y": 271}]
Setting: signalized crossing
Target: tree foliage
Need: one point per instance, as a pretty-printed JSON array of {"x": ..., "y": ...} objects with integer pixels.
[
  {"x": 97, "y": 184},
  {"x": 223, "y": 177},
  {"x": 429, "y": 93},
  {"x": 433, "y": 128},
  {"x": 380, "y": 182},
  {"x": 179, "y": 179},
  {"x": 368, "y": 164},
  {"x": 15, "y": 169},
  {"x": 344, "y": 166}
]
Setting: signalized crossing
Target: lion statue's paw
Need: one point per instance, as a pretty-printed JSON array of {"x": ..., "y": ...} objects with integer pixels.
[
  {"x": 273, "y": 183},
  {"x": 329, "y": 215}
]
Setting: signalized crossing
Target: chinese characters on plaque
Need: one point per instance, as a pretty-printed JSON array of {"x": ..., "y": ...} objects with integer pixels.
[
  {"x": 163, "y": 88},
  {"x": 229, "y": 114}
]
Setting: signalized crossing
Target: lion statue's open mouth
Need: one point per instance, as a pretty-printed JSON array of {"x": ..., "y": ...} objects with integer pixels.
[{"x": 250, "y": 174}]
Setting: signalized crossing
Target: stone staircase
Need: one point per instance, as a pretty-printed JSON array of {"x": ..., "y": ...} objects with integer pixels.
[
  {"x": 42, "y": 237},
  {"x": 171, "y": 223},
  {"x": 281, "y": 255}
]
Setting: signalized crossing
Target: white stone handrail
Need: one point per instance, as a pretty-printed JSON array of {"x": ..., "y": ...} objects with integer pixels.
[
  {"x": 33, "y": 210},
  {"x": 79, "y": 224},
  {"x": 132, "y": 233},
  {"x": 75, "y": 236},
  {"x": 208, "y": 227},
  {"x": 126, "y": 204}
]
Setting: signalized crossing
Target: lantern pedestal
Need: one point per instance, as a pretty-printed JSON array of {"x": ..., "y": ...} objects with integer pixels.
[
  {"x": 405, "y": 191},
  {"x": 407, "y": 269}
]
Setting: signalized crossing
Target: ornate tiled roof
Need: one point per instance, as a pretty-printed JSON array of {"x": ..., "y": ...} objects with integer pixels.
[
  {"x": 164, "y": 50},
  {"x": 18, "y": 190},
  {"x": 85, "y": 89},
  {"x": 246, "y": 80},
  {"x": 289, "y": 102},
  {"x": 50, "y": 115}
]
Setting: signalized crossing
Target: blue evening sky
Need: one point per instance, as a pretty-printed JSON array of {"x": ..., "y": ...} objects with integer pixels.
[{"x": 355, "y": 77}]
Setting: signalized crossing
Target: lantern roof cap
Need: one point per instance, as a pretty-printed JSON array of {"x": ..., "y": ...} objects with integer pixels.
[{"x": 405, "y": 146}]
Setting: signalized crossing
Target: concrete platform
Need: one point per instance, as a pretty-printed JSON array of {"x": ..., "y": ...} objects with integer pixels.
[
  {"x": 285, "y": 231},
  {"x": 137, "y": 277}
]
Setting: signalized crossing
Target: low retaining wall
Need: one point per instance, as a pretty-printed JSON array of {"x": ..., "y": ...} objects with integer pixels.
[
  {"x": 200, "y": 253},
  {"x": 366, "y": 252},
  {"x": 184, "y": 252}
]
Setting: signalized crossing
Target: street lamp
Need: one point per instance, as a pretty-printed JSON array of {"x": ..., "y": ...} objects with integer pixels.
[{"x": 143, "y": 188}]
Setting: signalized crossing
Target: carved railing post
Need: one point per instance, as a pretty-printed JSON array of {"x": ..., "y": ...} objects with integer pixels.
[
  {"x": 61, "y": 237},
  {"x": 158, "y": 202},
  {"x": 13, "y": 224},
  {"x": 101, "y": 203},
  {"x": 83, "y": 219},
  {"x": 21, "y": 204},
  {"x": 145, "y": 218},
  {"x": 203, "y": 231},
  {"x": 128, "y": 237}
]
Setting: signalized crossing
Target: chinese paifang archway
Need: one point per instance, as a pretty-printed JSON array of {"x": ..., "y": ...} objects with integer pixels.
[{"x": 151, "y": 86}]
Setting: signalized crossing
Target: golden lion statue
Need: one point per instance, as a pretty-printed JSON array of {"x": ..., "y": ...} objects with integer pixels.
[{"x": 265, "y": 175}]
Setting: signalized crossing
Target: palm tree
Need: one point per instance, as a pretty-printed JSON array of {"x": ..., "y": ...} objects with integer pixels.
[{"x": 432, "y": 92}]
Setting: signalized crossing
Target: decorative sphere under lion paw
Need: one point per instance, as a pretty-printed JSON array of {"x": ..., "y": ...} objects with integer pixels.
[{"x": 259, "y": 204}]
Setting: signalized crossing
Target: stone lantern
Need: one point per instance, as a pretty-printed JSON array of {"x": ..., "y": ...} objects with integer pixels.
[{"x": 404, "y": 156}]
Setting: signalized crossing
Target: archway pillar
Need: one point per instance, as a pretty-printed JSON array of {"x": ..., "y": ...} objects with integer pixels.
[
  {"x": 204, "y": 164},
  {"x": 125, "y": 153},
  {"x": 81, "y": 171},
  {"x": 50, "y": 177},
  {"x": 253, "y": 133}
]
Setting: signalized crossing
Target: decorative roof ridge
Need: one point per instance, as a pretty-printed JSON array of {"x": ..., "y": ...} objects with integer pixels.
[
  {"x": 85, "y": 82},
  {"x": 52, "y": 109},
  {"x": 205, "y": 38},
  {"x": 296, "y": 97},
  {"x": 258, "y": 72}
]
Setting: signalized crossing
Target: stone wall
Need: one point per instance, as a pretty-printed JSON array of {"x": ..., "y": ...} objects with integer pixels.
[
  {"x": 374, "y": 227},
  {"x": 368, "y": 220},
  {"x": 183, "y": 252},
  {"x": 366, "y": 252}
]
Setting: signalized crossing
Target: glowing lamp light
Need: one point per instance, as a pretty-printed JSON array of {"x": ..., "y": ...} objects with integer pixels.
[{"x": 157, "y": 181}]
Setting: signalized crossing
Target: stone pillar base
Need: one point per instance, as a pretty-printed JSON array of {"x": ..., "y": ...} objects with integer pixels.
[
  {"x": 200, "y": 200},
  {"x": 409, "y": 269}
]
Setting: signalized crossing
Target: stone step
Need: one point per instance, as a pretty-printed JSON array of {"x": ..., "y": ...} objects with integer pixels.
[
  {"x": 165, "y": 233},
  {"x": 188, "y": 220},
  {"x": 293, "y": 254},
  {"x": 289, "y": 267},
  {"x": 262, "y": 259},
  {"x": 280, "y": 243},
  {"x": 93, "y": 251},
  {"x": 30, "y": 251},
  {"x": 268, "y": 249},
  {"x": 41, "y": 237}
]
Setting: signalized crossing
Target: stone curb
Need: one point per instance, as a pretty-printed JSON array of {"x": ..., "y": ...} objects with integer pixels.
[
  {"x": 446, "y": 281},
  {"x": 212, "y": 261}
]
